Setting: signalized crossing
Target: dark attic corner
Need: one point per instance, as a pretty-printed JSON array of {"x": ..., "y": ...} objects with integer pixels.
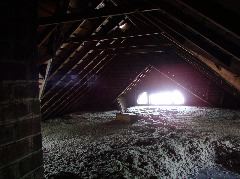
[{"x": 120, "y": 89}]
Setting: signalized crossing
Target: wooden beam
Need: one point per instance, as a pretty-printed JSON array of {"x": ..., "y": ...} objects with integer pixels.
[
  {"x": 44, "y": 81},
  {"x": 188, "y": 47},
  {"x": 70, "y": 96},
  {"x": 94, "y": 59},
  {"x": 76, "y": 61},
  {"x": 178, "y": 84},
  {"x": 132, "y": 48},
  {"x": 61, "y": 103},
  {"x": 183, "y": 32},
  {"x": 88, "y": 59},
  {"x": 95, "y": 14},
  {"x": 78, "y": 93},
  {"x": 110, "y": 37},
  {"x": 138, "y": 77}
]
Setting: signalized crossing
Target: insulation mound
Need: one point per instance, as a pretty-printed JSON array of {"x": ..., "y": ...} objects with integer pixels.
[{"x": 166, "y": 142}]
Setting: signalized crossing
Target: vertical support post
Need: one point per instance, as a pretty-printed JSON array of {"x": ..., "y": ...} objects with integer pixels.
[{"x": 45, "y": 78}]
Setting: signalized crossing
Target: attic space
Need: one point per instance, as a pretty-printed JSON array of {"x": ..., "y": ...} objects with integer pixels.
[{"x": 120, "y": 89}]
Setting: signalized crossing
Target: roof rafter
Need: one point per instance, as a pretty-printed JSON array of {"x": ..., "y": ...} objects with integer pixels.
[
  {"x": 44, "y": 21},
  {"x": 63, "y": 102}
]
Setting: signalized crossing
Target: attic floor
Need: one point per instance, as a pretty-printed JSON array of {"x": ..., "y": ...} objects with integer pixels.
[{"x": 166, "y": 142}]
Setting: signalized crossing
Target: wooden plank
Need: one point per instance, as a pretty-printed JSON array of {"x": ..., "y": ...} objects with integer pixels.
[
  {"x": 44, "y": 81},
  {"x": 95, "y": 14}
]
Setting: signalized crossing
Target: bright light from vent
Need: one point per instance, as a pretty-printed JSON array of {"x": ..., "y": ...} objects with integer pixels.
[
  {"x": 162, "y": 98},
  {"x": 143, "y": 98},
  {"x": 178, "y": 97}
]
